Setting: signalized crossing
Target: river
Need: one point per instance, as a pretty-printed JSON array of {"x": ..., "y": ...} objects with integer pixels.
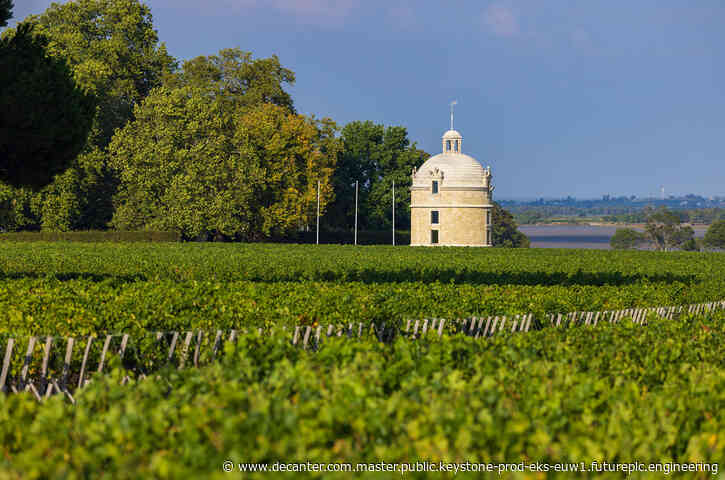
[{"x": 577, "y": 236}]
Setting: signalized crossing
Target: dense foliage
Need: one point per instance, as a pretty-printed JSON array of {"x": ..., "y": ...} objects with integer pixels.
[
  {"x": 665, "y": 232},
  {"x": 45, "y": 117},
  {"x": 188, "y": 164},
  {"x": 505, "y": 231},
  {"x": 626, "y": 238},
  {"x": 91, "y": 236},
  {"x": 6, "y": 11},
  {"x": 715, "y": 235},
  {"x": 82, "y": 288},
  {"x": 115, "y": 55},
  {"x": 375, "y": 157},
  {"x": 237, "y": 79},
  {"x": 614, "y": 393}
]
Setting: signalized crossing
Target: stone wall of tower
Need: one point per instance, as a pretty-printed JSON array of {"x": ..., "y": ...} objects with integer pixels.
[{"x": 462, "y": 217}]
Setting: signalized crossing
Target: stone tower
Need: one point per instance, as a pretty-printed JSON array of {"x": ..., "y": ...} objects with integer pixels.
[{"x": 451, "y": 199}]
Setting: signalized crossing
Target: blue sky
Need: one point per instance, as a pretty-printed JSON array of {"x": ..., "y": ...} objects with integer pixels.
[{"x": 578, "y": 98}]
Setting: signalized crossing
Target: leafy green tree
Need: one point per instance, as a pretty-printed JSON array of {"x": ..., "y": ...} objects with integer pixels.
[
  {"x": 715, "y": 235},
  {"x": 6, "y": 12},
  {"x": 626, "y": 238},
  {"x": 375, "y": 157},
  {"x": 692, "y": 245},
  {"x": 189, "y": 164},
  {"x": 19, "y": 209},
  {"x": 115, "y": 55},
  {"x": 45, "y": 117},
  {"x": 504, "y": 230},
  {"x": 237, "y": 79},
  {"x": 664, "y": 230}
]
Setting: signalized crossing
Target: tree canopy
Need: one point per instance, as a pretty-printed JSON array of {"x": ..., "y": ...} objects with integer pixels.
[
  {"x": 45, "y": 117},
  {"x": 664, "y": 230},
  {"x": 715, "y": 235},
  {"x": 504, "y": 231},
  {"x": 6, "y": 12},
  {"x": 237, "y": 79},
  {"x": 627, "y": 238},
  {"x": 188, "y": 164},
  {"x": 114, "y": 54},
  {"x": 375, "y": 156}
]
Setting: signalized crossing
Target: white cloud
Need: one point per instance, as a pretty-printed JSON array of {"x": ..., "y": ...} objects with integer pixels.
[{"x": 501, "y": 20}]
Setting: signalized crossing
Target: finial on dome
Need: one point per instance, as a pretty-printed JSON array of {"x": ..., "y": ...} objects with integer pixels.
[{"x": 454, "y": 102}]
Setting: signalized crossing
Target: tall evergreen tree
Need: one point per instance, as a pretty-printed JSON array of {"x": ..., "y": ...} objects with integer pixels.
[
  {"x": 6, "y": 12},
  {"x": 45, "y": 117},
  {"x": 114, "y": 54}
]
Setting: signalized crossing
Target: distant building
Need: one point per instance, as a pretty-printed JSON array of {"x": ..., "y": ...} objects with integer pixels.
[{"x": 451, "y": 199}]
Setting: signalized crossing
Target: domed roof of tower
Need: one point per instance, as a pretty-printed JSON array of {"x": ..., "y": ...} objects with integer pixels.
[
  {"x": 451, "y": 134},
  {"x": 452, "y": 168},
  {"x": 457, "y": 170}
]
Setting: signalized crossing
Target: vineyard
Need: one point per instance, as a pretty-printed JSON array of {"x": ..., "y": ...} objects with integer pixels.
[
  {"x": 333, "y": 357},
  {"x": 83, "y": 289}
]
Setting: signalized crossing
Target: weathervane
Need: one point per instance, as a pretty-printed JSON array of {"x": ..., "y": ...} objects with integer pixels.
[{"x": 452, "y": 103}]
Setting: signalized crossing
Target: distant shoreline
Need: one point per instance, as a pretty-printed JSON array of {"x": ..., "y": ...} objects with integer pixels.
[
  {"x": 594, "y": 235},
  {"x": 603, "y": 224}
]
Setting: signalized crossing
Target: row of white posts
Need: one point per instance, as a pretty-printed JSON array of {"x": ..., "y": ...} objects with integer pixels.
[
  {"x": 317, "y": 235},
  {"x": 305, "y": 336}
]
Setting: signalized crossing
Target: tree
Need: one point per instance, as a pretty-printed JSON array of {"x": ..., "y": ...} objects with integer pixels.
[
  {"x": 663, "y": 229},
  {"x": 188, "y": 164},
  {"x": 505, "y": 232},
  {"x": 237, "y": 79},
  {"x": 626, "y": 238},
  {"x": 715, "y": 235},
  {"x": 692, "y": 245},
  {"x": 19, "y": 209},
  {"x": 375, "y": 157},
  {"x": 115, "y": 55},
  {"x": 45, "y": 117},
  {"x": 6, "y": 12}
]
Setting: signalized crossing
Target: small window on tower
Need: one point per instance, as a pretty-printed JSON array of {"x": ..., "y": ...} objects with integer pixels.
[
  {"x": 435, "y": 186},
  {"x": 455, "y": 146},
  {"x": 434, "y": 217},
  {"x": 488, "y": 217},
  {"x": 434, "y": 236},
  {"x": 448, "y": 145}
]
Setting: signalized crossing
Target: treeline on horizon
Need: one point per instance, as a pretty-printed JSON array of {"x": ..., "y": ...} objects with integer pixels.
[
  {"x": 537, "y": 214},
  {"x": 212, "y": 147}
]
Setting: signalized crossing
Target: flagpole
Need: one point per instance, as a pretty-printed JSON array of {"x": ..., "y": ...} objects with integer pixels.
[
  {"x": 356, "y": 212},
  {"x": 393, "y": 212}
]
